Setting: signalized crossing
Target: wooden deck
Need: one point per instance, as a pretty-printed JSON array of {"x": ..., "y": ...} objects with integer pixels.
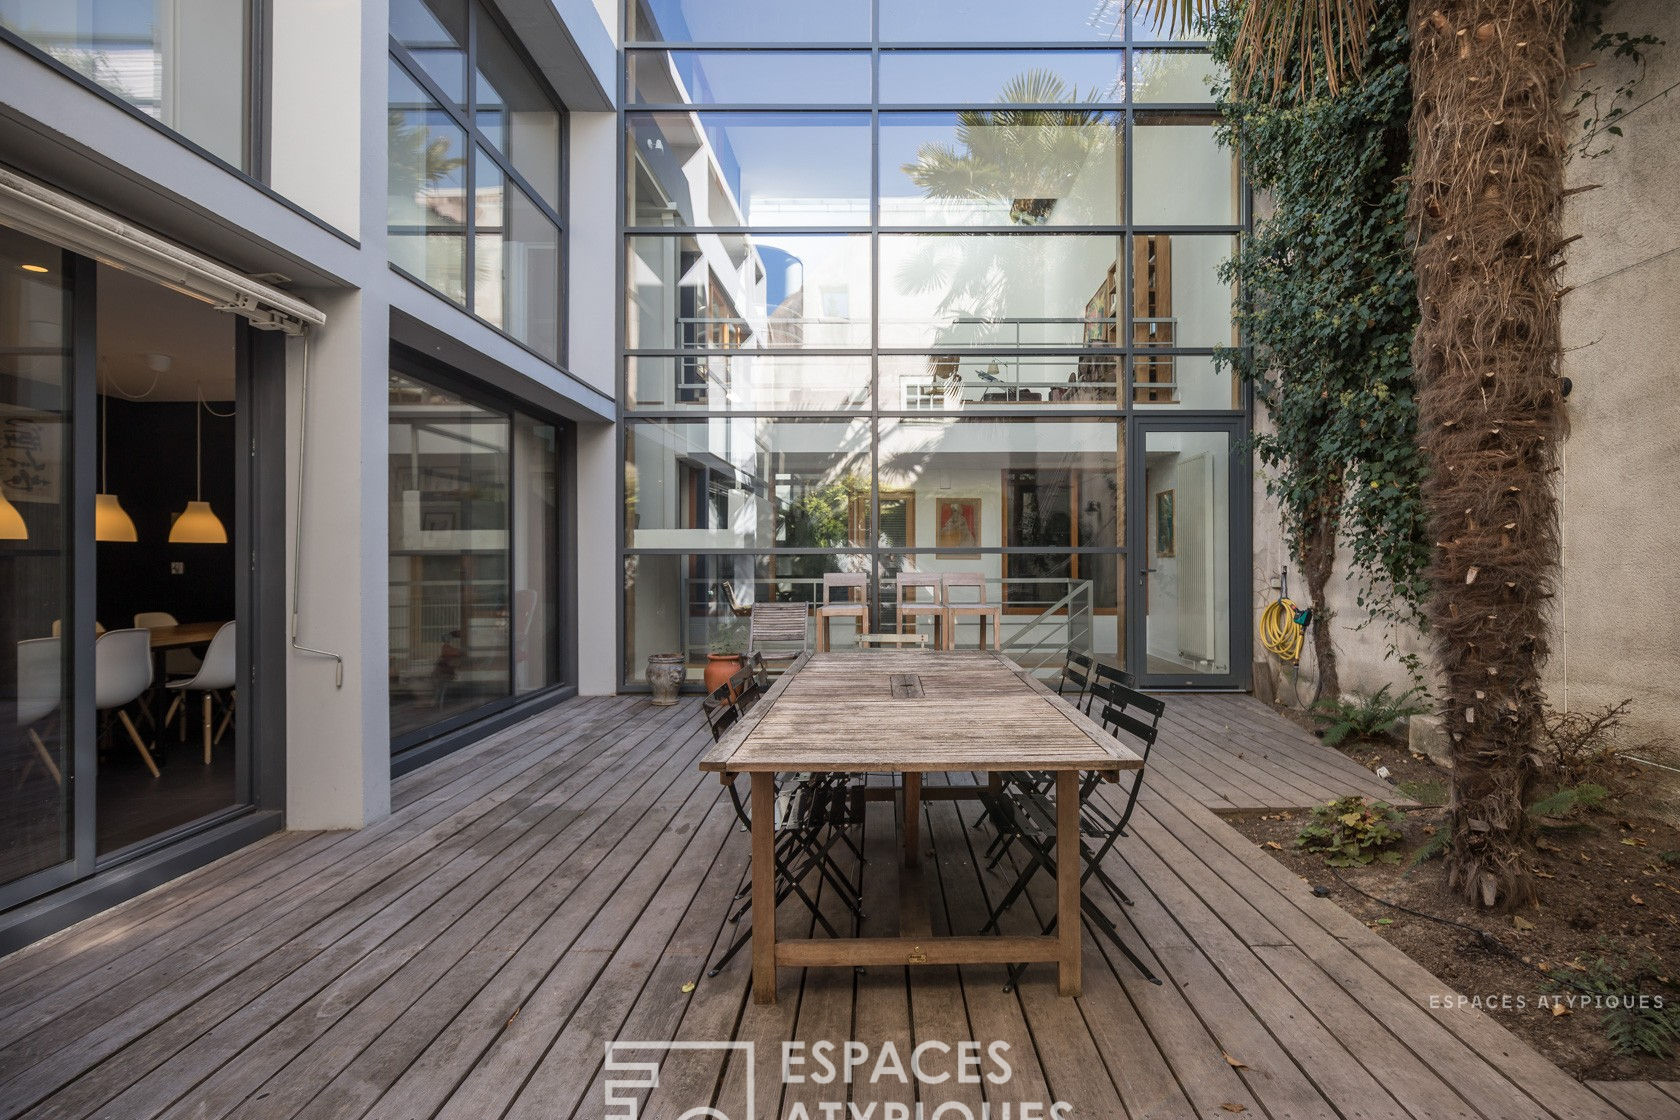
[{"x": 562, "y": 885}]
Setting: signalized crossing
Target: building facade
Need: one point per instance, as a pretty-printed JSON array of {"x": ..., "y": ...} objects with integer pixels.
[{"x": 376, "y": 373}]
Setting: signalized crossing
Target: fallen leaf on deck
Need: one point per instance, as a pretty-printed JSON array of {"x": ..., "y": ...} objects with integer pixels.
[
  {"x": 1235, "y": 1064},
  {"x": 1232, "y": 1106},
  {"x": 688, "y": 987}
]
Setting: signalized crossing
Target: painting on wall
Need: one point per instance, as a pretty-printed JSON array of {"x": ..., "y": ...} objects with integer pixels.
[
  {"x": 959, "y": 524},
  {"x": 1166, "y": 537}
]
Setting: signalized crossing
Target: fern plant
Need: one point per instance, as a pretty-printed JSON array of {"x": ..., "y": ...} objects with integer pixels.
[
  {"x": 1366, "y": 717},
  {"x": 1636, "y": 1019},
  {"x": 1352, "y": 832},
  {"x": 1563, "y": 803}
]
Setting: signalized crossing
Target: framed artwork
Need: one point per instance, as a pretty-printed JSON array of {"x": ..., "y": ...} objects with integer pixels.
[
  {"x": 1166, "y": 536},
  {"x": 958, "y": 524},
  {"x": 437, "y": 521}
]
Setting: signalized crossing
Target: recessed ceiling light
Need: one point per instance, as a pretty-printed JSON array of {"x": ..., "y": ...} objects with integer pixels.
[{"x": 35, "y": 268}]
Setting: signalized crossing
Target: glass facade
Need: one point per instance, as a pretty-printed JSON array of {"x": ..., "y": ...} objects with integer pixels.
[
  {"x": 905, "y": 301},
  {"x": 474, "y": 579},
  {"x": 473, "y": 198}
]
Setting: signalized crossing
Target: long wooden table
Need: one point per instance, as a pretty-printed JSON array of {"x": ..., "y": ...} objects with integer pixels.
[{"x": 911, "y": 713}]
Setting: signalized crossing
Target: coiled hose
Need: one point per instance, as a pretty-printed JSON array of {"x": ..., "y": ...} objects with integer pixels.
[{"x": 1280, "y": 632}]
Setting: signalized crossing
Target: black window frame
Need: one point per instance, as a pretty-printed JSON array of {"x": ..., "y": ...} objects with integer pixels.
[{"x": 464, "y": 116}]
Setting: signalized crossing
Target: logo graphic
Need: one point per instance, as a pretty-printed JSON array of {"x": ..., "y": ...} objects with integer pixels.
[{"x": 625, "y": 1078}]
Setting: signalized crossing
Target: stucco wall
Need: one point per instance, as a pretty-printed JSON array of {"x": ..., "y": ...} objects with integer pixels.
[{"x": 1615, "y": 633}]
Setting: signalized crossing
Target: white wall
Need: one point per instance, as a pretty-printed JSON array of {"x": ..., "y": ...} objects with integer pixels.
[{"x": 315, "y": 110}]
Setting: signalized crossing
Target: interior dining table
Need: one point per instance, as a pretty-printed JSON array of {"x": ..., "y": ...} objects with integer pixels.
[{"x": 908, "y": 714}]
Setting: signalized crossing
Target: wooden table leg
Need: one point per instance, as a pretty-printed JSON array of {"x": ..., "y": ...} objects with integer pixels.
[
  {"x": 912, "y": 819},
  {"x": 764, "y": 887},
  {"x": 1069, "y": 928}
]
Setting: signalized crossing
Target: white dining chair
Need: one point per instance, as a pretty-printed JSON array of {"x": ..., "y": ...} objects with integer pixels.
[
  {"x": 40, "y": 679},
  {"x": 122, "y": 672},
  {"x": 218, "y": 674}
]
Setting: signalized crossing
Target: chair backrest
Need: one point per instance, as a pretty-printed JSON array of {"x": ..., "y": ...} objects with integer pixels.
[
  {"x": 58, "y": 628},
  {"x": 148, "y": 620},
  {"x": 963, "y": 581},
  {"x": 779, "y": 622},
  {"x": 854, "y": 584},
  {"x": 719, "y": 710},
  {"x": 1127, "y": 709},
  {"x": 1113, "y": 675},
  {"x": 40, "y": 679},
  {"x": 122, "y": 667},
  {"x": 221, "y": 661},
  {"x": 909, "y": 584},
  {"x": 735, "y": 605},
  {"x": 743, "y": 686},
  {"x": 760, "y": 671},
  {"x": 1076, "y": 671}
]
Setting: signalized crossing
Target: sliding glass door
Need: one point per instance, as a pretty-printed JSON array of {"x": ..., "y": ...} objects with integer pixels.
[
  {"x": 37, "y": 766},
  {"x": 474, "y": 555}
]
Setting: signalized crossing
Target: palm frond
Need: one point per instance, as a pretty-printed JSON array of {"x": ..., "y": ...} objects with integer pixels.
[{"x": 1277, "y": 37}]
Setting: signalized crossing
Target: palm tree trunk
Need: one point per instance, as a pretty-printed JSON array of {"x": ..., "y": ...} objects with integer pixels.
[{"x": 1487, "y": 193}]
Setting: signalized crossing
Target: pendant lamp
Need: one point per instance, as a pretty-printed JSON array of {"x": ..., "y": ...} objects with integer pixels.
[
  {"x": 199, "y": 523},
  {"x": 12, "y": 527},
  {"x": 111, "y": 522}
]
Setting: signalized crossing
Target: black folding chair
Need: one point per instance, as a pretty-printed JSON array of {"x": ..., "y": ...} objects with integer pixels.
[
  {"x": 1076, "y": 677},
  {"x": 814, "y": 812},
  {"x": 1026, "y": 813}
]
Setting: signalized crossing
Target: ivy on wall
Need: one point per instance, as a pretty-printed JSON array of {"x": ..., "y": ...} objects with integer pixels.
[{"x": 1328, "y": 304}]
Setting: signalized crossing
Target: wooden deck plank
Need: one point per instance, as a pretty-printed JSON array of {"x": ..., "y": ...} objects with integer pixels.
[
  {"x": 1287, "y": 751},
  {"x": 323, "y": 1035},
  {"x": 223, "y": 1019},
  {"x": 1638, "y": 1100},
  {"x": 150, "y": 958},
  {"x": 571, "y": 873}
]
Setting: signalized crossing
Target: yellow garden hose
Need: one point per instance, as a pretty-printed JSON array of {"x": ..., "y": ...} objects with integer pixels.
[{"x": 1280, "y": 632}]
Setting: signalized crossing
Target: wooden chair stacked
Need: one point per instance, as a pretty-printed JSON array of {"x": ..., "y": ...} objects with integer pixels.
[
  {"x": 816, "y": 814},
  {"x": 1023, "y": 810}
]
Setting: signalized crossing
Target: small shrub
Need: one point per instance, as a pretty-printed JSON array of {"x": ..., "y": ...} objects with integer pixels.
[
  {"x": 1588, "y": 745},
  {"x": 1366, "y": 717},
  {"x": 1352, "y": 832},
  {"x": 1433, "y": 848},
  {"x": 1641, "y": 1015},
  {"x": 1568, "y": 801}
]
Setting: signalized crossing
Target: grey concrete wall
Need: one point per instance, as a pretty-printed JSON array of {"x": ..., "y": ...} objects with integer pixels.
[{"x": 1614, "y": 631}]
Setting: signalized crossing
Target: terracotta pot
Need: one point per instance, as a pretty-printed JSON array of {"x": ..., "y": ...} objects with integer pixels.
[
  {"x": 665, "y": 672},
  {"x": 719, "y": 668}
]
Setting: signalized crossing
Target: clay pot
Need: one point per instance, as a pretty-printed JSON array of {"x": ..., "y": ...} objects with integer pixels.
[
  {"x": 719, "y": 668},
  {"x": 665, "y": 673}
]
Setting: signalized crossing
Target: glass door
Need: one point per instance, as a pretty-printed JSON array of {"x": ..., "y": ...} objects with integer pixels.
[{"x": 1188, "y": 606}]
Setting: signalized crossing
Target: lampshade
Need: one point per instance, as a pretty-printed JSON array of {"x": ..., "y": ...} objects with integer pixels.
[
  {"x": 198, "y": 525},
  {"x": 110, "y": 521},
  {"x": 12, "y": 527}
]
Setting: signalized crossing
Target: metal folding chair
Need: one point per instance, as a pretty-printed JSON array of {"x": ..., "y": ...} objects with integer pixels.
[
  {"x": 814, "y": 813},
  {"x": 1025, "y": 814}
]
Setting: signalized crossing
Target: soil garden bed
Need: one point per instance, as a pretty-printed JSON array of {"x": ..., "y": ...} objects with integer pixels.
[{"x": 1610, "y": 906}]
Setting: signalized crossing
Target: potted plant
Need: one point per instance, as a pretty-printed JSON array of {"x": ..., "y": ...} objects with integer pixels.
[{"x": 729, "y": 642}]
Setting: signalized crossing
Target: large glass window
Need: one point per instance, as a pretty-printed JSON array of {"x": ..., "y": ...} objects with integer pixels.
[
  {"x": 738, "y": 169},
  {"x": 474, "y": 167},
  {"x": 184, "y": 62},
  {"x": 35, "y": 490},
  {"x": 985, "y": 262},
  {"x": 473, "y": 548}
]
